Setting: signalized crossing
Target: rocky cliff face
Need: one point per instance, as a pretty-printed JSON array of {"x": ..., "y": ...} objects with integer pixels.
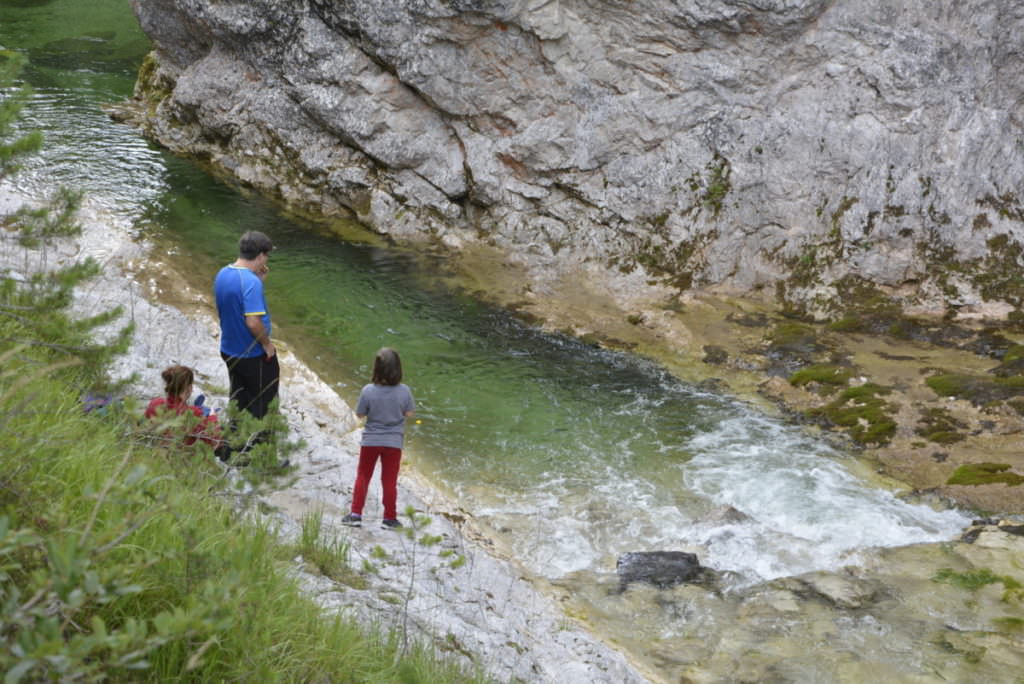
[{"x": 818, "y": 150}]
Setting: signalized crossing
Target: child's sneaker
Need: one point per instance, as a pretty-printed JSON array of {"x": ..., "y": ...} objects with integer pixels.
[
  {"x": 352, "y": 520},
  {"x": 390, "y": 523}
]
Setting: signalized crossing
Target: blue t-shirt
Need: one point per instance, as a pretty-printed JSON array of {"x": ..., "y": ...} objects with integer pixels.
[
  {"x": 385, "y": 407},
  {"x": 239, "y": 293}
]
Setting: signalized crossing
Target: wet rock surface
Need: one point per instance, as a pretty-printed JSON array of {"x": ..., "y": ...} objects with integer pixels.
[{"x": 662, "y": 569}]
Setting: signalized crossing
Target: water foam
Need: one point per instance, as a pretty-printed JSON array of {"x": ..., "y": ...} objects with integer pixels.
[{"x": 805, "y": 510}]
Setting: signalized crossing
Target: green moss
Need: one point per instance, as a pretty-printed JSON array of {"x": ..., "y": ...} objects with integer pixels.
[
  {"x": 1006, "y": 205},
  {"x": 1014, "y": 353},
  {"x": 938, "y": 425},
  {"x": 1017, "y": 405},
  {"x": 971, "y": 474},
  {"x": 1009, "y": 624},
  {"x": 945, "y": 436},
  {"x": 846, "y": 324},
  {"x": 821, "y": 373},
  {"x": 844, "y": 206},
  {"x": 788, "y": 335},
  {"x": 862, "y": 301},
  {"x": 971, "y": 580},
  {"x": 977, "y": 389},
  {"x": 862, "y": 412},
  {"x": 718, "y": 185}
]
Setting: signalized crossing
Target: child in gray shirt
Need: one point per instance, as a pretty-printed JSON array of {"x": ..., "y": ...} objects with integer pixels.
[{"x": 385, "y": 404}]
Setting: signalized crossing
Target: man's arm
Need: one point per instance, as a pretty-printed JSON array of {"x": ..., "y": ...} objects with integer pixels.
[{"x": 255, "y": 325}]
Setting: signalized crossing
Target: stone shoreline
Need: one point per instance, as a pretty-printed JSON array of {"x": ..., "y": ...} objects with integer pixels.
[{"x": 463, "y": 594}]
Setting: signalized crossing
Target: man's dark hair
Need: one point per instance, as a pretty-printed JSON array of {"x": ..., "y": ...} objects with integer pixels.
[
  {"x": 254, "y": 243},
  {"x": 387, "y": 367}
]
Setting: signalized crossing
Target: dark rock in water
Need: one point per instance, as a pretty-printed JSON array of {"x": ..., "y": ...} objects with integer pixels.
[
  {"x": 715, "y": 355},
  {"x": 1011, "y": 528},
  {"x": 663, "y": 569},
  {"x": 980, "y": 525}
]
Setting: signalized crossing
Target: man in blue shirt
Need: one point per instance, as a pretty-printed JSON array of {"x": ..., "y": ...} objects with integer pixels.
[{"x": 245, "y": 343}]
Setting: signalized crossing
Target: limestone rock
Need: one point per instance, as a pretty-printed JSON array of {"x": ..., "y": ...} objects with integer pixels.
[{"x": 729, "y": 144}]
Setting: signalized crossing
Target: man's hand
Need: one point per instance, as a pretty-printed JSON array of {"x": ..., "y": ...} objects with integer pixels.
[{"x": 255, "y": 326}]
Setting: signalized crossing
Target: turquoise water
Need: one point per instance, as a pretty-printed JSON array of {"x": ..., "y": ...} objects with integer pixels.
[{"x": 574, "y": 454}]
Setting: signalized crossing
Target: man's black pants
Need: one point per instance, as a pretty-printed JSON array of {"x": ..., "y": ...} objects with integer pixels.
[{"x": 254, "y": 382}]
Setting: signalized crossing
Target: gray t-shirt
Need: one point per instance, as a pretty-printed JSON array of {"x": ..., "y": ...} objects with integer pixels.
[{"x": 385, "y": 407}]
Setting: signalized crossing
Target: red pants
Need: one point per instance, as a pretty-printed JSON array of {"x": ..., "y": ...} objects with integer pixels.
[{"x": 390, "y": 459}]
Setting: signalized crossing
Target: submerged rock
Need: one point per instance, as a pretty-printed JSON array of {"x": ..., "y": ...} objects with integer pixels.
[{"x": 836, "y": 590}]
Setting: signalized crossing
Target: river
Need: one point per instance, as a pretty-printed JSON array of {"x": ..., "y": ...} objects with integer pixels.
[{"x": 573, "y": 454}]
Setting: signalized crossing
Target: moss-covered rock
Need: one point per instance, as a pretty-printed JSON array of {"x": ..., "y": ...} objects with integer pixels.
[
  {"x": 977, "y": 389},
  {"x": 847, "y": 324},
  {"x": 1012, "y": 363},
  {"x": 866, "y": 417},
  {"x": 938, "y": 425},
  {"x": 823, "y": 374},
  {"x": 790, "y": 336},
  {"x": 984, "y": 473}
]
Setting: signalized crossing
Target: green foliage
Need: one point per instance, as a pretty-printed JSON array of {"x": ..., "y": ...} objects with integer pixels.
[
  {"x": 1014, "y": 353},
  {"x": 430, "y": 539},
  {"x": 117, "y": 563},
  {"x": 57, "y": 219},
  {"x": 718, "y": 183},
  {"x": 11, "y": 104},
  {"x": 329, "y": 553},
  {"x": 261, "y": 445},
  {"x": 984, "y": 473}
]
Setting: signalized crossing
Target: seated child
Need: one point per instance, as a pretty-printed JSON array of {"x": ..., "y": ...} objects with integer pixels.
[{"x": 178, "y": 382}]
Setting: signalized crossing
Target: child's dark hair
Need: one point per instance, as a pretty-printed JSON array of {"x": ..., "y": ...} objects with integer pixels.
[
  {"x": 387, "y": 367},
  {"x": 176, "y": 379}
]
